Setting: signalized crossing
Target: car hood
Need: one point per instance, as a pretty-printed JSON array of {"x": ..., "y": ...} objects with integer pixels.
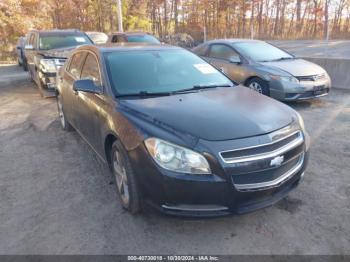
[
  {"x": 217, "y": 114},
  {"x": 296, "y": 67},
  {"x": 58, "y": 53}
]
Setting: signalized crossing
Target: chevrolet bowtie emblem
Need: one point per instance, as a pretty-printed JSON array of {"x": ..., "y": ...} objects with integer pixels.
[{"x": 277, "y": 161}]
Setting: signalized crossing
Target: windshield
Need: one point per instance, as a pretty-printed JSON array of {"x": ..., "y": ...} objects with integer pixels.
[
  {"x": 261, "y": 51},
  {"x": 143, "y": 39},
  {"x": 48, "y": 42},
  {"x": 133, "y": 72}
]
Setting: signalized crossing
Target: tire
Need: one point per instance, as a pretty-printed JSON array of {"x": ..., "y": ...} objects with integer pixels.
[
  {"x": 258, "y": 85},
  {"x": 66, "y": 126},
  {"x": 125, "y": 178},
  {"x": 25, "y": 66},
  {"x": 31, "y": 76}
]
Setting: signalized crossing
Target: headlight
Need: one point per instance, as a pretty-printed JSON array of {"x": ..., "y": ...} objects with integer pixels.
[
  {"x": 285, "y": 78},
  {"x": 177, "y": 158},
  {"x": 48, "y": 65}
]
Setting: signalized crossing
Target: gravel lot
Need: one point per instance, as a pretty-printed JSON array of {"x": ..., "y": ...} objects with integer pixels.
[{"x": 56, "y": 197}]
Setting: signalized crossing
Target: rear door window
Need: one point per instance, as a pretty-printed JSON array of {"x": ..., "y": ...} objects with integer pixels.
[
  {"x": 118, "y": 39},
  {"x": 91, "y": 70},
  {"x": 223, "y": 52},
  {"x": 75, "y": 64},
  {"x": 121, "y": 39},
  {"x": 201, "y": 50}
]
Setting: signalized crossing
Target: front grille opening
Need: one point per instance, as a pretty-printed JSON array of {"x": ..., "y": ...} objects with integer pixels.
[
  {"x": 267, "y": 165},
  {"x": 311, "y": 77},
  {"x": 259, "y": 149}
]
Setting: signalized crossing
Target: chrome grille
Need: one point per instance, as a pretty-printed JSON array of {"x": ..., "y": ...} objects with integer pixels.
[
  {"x": 311, "y": 77},
  {"x": 278, "y": 147},
  {"x": 277, "y": 181},
  {"x": 267, "y": 165}
]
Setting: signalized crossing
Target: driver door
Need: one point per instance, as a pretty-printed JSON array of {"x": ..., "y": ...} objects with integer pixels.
[{"x": 90, "y": 106}]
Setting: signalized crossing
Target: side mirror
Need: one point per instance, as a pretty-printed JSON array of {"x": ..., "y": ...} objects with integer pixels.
[
  {"x": 235, "y": 60},
  {"x": 28, "y": 47},
  {"x": 86, "y": 85}
]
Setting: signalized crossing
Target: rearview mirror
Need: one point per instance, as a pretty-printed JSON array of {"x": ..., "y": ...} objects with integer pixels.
[
  {"x": 86, "y": 85},
  {"x": 28, "y": 47},
  {"x": 235, "y": 60}
]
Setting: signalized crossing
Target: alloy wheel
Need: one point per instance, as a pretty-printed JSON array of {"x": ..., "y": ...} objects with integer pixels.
[
  {"x": 121, "y": 178},
  {"x": 256, "y": 87}
]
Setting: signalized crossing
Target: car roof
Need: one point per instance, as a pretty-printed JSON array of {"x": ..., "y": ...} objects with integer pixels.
[
  {"x": 234, "y": 40},
  {"x": 130, "y": 33},
  {"x": 110, "y": 47},
  {"x": 94, "y": 32},
  {"x": 57, "y": 31}
]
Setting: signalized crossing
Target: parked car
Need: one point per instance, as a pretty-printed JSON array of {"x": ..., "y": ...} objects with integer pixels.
[
  {"x": 178, "y": 134},
  {"x": 46, "y": 52},
  {"x": 266, "y": 68},
  {"x": 98, "y": 37},
  {"x": 20, "y": 52},
  {"x": 138, "y": 37}
]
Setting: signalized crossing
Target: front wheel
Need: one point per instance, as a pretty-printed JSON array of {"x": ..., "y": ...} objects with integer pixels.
[
  {"x": 125, "y": 178},
  {"x": 64, "y": 123},
  {"x": 258, "y": 85},
  {"x": 25, "y": 66}
]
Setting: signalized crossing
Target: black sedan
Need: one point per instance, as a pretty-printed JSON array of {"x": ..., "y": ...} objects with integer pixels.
[{"x": 177, "y": 134}]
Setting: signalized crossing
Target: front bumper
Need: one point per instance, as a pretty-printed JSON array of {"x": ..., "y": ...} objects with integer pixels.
[
  {"x": 48, "y": 80},
  {"x": 303, "y": 90},
  {"x": 205, "y": 195}
]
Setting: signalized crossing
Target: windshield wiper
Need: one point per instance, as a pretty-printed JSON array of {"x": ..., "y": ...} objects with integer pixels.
[
  {"x": 278, "y": 59},
  {"x": 144, "y": 94},
  {"x": 199, "y": 87},
  {"x": 194, "y": 88}
]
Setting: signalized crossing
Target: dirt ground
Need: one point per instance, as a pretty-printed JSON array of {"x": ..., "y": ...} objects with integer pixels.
[{"x": 56, "y": 196}]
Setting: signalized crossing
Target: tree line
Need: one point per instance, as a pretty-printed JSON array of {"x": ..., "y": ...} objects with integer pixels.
[{"x": 263, "y": 19}]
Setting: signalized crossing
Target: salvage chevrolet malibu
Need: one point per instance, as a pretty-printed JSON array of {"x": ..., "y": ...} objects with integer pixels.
[{"x": 177, "y": 134}]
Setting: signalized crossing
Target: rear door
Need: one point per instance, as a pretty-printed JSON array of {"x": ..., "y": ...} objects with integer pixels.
[
  {"x": 222, "y": 57},
  {"x": 69, "y": 97}
]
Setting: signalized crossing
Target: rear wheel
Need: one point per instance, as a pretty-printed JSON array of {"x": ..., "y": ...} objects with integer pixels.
[
  {"x": 64, "y": 123},
  {"x": 125, "y": 178},
  {"x": 258, "y": 85}
]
